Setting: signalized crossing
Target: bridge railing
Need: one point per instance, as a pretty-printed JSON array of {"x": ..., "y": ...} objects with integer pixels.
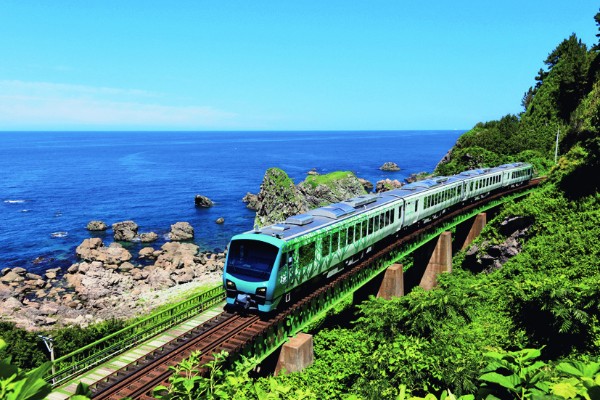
[{"x": 95, "y": 353}]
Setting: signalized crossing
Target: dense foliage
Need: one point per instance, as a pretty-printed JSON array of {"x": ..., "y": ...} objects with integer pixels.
[
  {"x": 565, "y": 99},
  {"x": 28, "y": 351}
]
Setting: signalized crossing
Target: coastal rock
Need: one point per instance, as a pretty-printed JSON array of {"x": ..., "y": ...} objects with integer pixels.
[
  {"x": 126, "y": 267},
  {"x": 312, "y": 172},
  {"x": 417, "y": 177},
  {"x": 185, "y": 276},
  {"x": 159, "y": 279},
  {"x": 251, "y": 201},
  {"x": 125, "y": 231},
  {"x": 73, "y": 269},
  {"x": 94, "y": 250},
  {"x": 278, "y": 198},
  {"x": 330, "y": 188},
  {"x": 446, "y": 159},
  {"x": 19, "y": 271},
  {"x": 12, "y": 304},
  {"x": 390, "y": 166},
  {"x": 368, "y": 186},
  {"x": 146, "y": 253},
  {"x": 177, "y": 255},
  {"x": 387, "y": 184},
  {"x": 11, "y": 277},
  {"x": 148, "y": 237},
  {"x": 115, "y": 254},
  {"x": 87, "y": 249},
  {"x": 220, "y": 220},
  {"x": 96, "y": 226},
  {"x": 52, "y": 273},
  {"x": 181, "y": 231},
  {"x": 203, "y": 201}
]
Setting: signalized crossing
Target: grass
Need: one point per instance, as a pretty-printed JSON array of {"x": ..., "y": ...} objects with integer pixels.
[{"x": 327, "y": 179}]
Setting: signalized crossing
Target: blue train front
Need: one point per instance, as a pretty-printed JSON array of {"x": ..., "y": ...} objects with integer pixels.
[{"x": 251, "y": 272}]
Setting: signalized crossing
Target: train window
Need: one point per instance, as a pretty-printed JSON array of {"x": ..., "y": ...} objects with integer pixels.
[
  {"x": 350, "y": 234},
  {"x": 393, "y": 216},
  {"x": 471, "y": 186},
  {"x": 326, "y": 246},
  {"x": 416, "y": 205},
  {"x": 343, "y": 237},
  {"x": 251, "y": 258},
  {"x": 307, "y": 254},
  {"x": 335, "y": 241},
  {"x": 400, "y": 212},
  {"x": 376, "y": 226},
  {"x": 365, "y": 225},
  {"x": 357, "y": 231}
]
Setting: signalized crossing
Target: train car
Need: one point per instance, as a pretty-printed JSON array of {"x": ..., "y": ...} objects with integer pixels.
[{"x": 266, "y": 266}]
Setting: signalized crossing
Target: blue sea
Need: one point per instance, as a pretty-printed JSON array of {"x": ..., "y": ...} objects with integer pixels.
[{"x": 53, "y": 183}]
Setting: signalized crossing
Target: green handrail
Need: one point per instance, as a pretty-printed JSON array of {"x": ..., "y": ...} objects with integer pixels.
[{"x": 97, "y": 352}]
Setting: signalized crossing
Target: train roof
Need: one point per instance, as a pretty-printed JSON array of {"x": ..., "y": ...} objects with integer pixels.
[{"x": 332, "y": 213}]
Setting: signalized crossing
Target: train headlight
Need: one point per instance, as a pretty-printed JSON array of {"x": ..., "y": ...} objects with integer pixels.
[
  {"x": 261, "y": 291},
  {"x": 230, "y": 284}
]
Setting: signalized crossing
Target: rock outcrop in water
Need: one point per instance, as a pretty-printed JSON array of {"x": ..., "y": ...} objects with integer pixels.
[
  {"x": 279, "y": 198},
  {"x": 203, "y": 201},
  {"x": 94, "y": 226},
  {"x": 125, "y": 231},
  {"x": 390, "y": 166},
  {"x": 181, "y": 231},
  {"x": 387, "y": 184},
  {"x": 320, "y": 190},
  {"x": 251, "y": 201}
]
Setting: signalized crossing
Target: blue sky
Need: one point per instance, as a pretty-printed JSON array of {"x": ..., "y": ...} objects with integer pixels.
[{"x": 274, "y": 65}]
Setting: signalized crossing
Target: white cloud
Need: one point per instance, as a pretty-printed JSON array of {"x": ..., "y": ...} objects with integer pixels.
[{"x": 50, "y": 105}]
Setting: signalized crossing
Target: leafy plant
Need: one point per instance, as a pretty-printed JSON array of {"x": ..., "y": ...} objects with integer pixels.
[
  {"x": 513, "y": 375},
  {"x": 18, "y": 385},
  {"x": 579, "y": 380}
]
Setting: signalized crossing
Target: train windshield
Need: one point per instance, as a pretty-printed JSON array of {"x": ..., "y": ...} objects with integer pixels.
[{"x": 251, "y": 258}]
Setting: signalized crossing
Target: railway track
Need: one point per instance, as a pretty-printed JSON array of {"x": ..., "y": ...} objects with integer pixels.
[
  {"x": 232, "y": 332},
  {"x": 225, "y": 331}
]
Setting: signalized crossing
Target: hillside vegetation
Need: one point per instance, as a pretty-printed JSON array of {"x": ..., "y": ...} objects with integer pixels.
[{"x": 565, "y": 99}]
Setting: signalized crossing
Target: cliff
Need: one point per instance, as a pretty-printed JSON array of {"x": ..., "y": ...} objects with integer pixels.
[{"x": 280, "y": 198}]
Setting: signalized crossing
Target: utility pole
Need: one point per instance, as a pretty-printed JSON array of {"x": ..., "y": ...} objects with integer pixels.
[
  {"x": 49, "y": 342},
  {"x": 556, "y": 147}
]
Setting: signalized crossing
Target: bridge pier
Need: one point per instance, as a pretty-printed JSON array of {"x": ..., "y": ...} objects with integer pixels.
[
  {"x": 438, "y": 262},
  {"x": 393, "y": 283},
  {"x": 296, "y": 354},
  {"x": 474, "y": 227}
]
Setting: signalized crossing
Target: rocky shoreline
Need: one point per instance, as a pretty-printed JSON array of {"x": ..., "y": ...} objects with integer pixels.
[{"x": 107, "y": 281}]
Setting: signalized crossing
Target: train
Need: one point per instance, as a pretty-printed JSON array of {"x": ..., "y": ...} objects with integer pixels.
[{"x": 265, "y": 267}]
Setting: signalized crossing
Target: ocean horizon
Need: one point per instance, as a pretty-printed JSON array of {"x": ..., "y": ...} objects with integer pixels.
[{"x": 53, "y": 183}]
